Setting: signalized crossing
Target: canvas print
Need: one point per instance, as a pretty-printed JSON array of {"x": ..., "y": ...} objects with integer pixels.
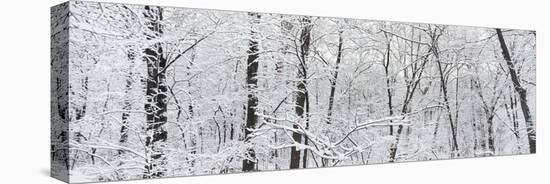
[{"x": 143, "y": 91}]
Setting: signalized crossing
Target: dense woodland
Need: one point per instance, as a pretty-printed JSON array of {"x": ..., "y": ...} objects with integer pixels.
[{"x": 154, "y": 92}]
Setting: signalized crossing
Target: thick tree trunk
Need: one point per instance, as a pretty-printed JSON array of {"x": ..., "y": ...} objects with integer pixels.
[
  {"x": 156, "y": 90},
  {"x": 529, "y": 124},
  {"x": 300, "y": 105},
  {"x": 305, "y": 39},
  {"x": 252, "y": 82}
]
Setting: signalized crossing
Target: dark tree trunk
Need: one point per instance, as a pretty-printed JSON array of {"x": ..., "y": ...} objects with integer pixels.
[
  {"x": 252, "y": 82},
  {"x": 300, "y": 103},
  {"x": 412, "y": 84},
  {"x": 156, "y": 104},
  {"x": 306, "y": 141},
  {"x": 490, "y": 132},
  {"x": 386, "y": 64},
  {"x": 334, "y": 79},
  {"x": 474, "y": 132},
  {"x": 474, "y": 120},
  {"x": 511, "y": 112},
  {"x": 301, "y": 95},
  {"x": 529, "y": 124},
  {"x": 443, "y": 85},
  {"x": 80, "y": 112},
  {"x": 333, "y": 85}
]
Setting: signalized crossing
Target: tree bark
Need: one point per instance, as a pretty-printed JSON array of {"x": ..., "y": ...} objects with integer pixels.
[
  {"x": 334, "y": 78},
  {"x": 443, "y": 85},
  {"x": 386, "y": 64},
  {"x": 156, "y": 89},
  {"x": 412, "y": 85},
  {"x": 490, "y": 131},
  {"x": 529, "y": 124},
  {"x": 301, "y": 95},
  {"x": 252, "y": 82}
]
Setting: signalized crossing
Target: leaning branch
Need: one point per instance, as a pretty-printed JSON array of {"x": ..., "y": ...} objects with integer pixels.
[{"x": 185, "y": 51}]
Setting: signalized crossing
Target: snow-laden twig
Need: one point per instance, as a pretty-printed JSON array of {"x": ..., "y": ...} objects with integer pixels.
[
  {"x": 324, "y": 148},
  {"x": 96, "y": 156},
  {"x": 388, "y": 121},
  {"x": 107, "y": 145},
  {"x": 88, "y": 117},
  {"x": 407, "y": 39}
]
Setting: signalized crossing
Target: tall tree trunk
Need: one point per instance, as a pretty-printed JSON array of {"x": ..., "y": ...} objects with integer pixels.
[
  {"x": 156, "y": 90},
  {"x": 334, "y": 78},
  {"x": 306, "y": 141},
  {"x": 443, "y": 85},
  {"x": 474, "y": 132},
  {"x": 529, "y": 124},
  {"x": 511, "y": 112},
  {"x": 127, "y": 103},
  {"x": 490, "y": 131},
  {"x": 305, "y": 39},
  {"x": 252, "y": 82},
  {"x": 386, "y": 64},
  {"x": 190, "y": 108},
  {"x": 412, "y": 84},
  {"x": 473, "y": 111},
  {"x": 333, "y": 85}
]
